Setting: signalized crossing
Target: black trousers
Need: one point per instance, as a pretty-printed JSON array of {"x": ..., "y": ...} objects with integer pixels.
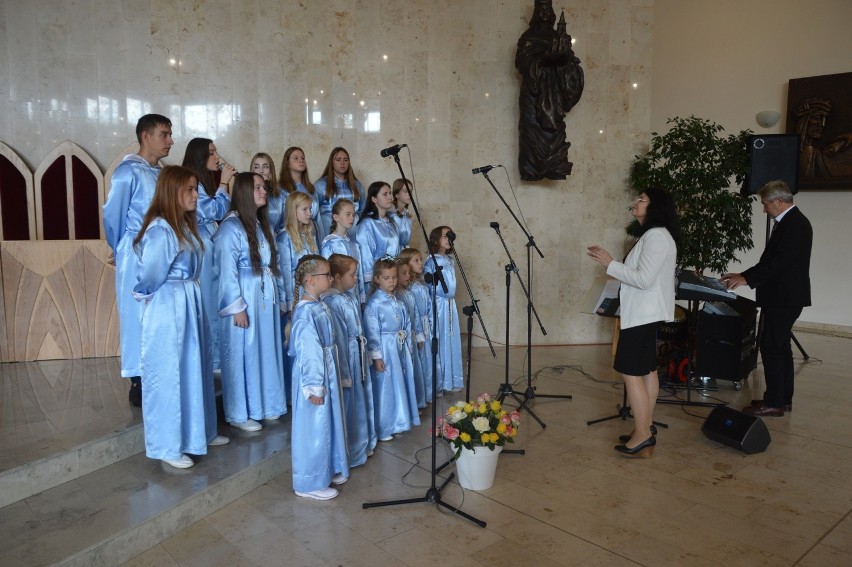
[{"x": 777, "y": 354}]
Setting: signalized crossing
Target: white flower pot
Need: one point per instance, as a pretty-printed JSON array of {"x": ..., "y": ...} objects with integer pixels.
[{"x": 476, "y": 468}]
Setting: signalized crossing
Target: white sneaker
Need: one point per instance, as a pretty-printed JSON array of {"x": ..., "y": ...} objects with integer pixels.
[
  {"x": 370, "y": 452},
  {"x": 388, "y": 438},
  {"x": 439, "y": 394},
  {"x": 271, "y": 419},
  {"x": 250, "y": 425},
  {"x": 321, "y": 494},
  {"x": 183, "y": 463},
  {"x": 339, "y": 479},
  {"x": 456, "y": 390},
  {"x": 219, "y": 440}
]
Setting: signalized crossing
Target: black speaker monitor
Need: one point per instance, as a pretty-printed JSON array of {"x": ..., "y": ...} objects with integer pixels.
[
  {"x": 771, "y": 157},
  {"x": 736, "y": 429}
]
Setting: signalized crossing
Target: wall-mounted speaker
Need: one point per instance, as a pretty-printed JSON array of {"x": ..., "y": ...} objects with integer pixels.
[
  {"x": 771, "y": 157},
  {"x": 736, "y": 429}
]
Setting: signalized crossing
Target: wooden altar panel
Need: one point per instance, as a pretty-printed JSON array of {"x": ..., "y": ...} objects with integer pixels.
[
  {"x": 58, "y": 299},
  {"x": 16, "y": 197},
  {"x": 52, "y": 191}
]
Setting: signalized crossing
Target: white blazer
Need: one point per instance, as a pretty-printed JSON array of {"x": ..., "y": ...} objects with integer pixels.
[{"x": 647, "y": 279}]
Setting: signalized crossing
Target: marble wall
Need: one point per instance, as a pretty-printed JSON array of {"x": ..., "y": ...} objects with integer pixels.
[{"x": 438, "y": 75}]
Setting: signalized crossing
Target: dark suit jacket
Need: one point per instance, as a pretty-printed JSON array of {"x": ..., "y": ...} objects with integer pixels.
[{"x": 782, "y": 276}]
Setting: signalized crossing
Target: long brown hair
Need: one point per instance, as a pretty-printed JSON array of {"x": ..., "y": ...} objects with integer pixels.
[
  {"x": 435, "y": 239},
  {"x": 328, "y": 173},
  {"x": 195, "y": 158},
  {"x": 166, "y": 204},
  {"x": 286, "y": 181},
  {"x": 242, "y": 202},
  {"x": 408, "y": 254},
  {"x": 292, "y": 225},
  {"x": 272, "y": 184},
  {"x": 398, "y": 185}
]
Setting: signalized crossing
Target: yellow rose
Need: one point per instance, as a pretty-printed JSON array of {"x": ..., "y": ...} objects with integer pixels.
[
  {"x": 468, "y": 409},
  {"x": 465, "y": 437},
  {"x": 482, "y": 408},
  {"x": 502, "y": 413},
  {"x": 494, "y": 437},
  {"x": 495, "y": 405},
  {"x": 485, "y": 438},
  {"x": 501, "y": 428}
]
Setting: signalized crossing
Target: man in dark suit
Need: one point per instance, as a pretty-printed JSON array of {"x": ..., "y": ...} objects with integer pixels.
[{"x": 782, "y": 280}]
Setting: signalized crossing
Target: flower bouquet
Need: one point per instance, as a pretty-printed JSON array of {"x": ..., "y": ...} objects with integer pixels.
[{"x": 482, "y": 423}]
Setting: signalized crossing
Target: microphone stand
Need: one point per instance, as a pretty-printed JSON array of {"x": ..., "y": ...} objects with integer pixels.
[
  {"x": 433, "y": 494},
  {"x": 469, "y": 310},
  {"x": 529, "y": 393},
  {"x": 506, "y": 388}
]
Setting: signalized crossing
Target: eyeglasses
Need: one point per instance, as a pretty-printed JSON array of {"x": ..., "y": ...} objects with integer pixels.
[
  {"x": 640, "y": 200},
  {"x": 326, "y": 274}
]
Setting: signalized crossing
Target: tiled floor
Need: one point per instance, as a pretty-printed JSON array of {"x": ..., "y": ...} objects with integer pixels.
[{"x": 571, "y": 500}]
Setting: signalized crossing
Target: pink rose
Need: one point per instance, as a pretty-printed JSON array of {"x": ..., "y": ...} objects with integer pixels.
[
  {"x": 506, "y": 420},
  {"x": 515, "y": 416},
  {"x": 450, "y": 432}
]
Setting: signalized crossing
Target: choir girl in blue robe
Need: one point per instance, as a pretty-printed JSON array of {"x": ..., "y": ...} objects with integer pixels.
[
  {"x": 388, "y": 332},
  {"x": 262, "y": 164},
  {"x": 295, "y": 177},
  {"x": 338, "y": 242},
  {"x": 352, "y": 355},
  {"x": 202, "y": 158},
  {"x": 377, "y": 234},
  {"x": 179, "y": 410},
  {"x": 423, "y": 308},
  {"x": 403, "y": 294},
  {"x": 294, "y": 241},
  {"x": 400, "y": 214},
  {"x": 130, "y": 194},
  {"x": 338, "y": 181},
  {"x": 250, "y": 323},
  {"x": 451, "y": 377},
  {"x": 318, "y": 433}
]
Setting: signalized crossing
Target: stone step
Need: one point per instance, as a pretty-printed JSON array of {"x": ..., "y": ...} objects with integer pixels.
[{"x": 109, "y": 515}]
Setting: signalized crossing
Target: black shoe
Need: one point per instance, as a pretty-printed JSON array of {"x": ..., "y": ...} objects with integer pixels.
[
  {"x": 643, "y": 450},
  {"x": 626, "y": 438},
  {"x": 135, "y": 394}
]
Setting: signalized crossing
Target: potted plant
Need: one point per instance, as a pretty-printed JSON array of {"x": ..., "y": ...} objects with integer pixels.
[
  {"x": 478, "y": 430},
  {"x": 698, "y": 165}
]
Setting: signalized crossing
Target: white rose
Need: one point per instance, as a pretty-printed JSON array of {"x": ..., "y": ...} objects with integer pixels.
[
  {"x": 481, "y": 424},
  {"x": 457, "y": 416},
  {"x": 460, "y": 404}
]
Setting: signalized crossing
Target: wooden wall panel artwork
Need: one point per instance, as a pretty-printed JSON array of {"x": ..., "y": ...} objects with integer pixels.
[
  {"x": 17, "y": 209},
  {"x": 72, "y": 154},
  {"x": 59, "y": 300}
]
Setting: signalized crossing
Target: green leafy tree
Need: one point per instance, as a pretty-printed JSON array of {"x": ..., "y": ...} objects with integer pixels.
[{"x": 698, "y": 165}]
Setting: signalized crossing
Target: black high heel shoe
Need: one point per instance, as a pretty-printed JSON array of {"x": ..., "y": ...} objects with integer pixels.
[
  {"x": 643, "y": 450},
  {"x": 626, "y": 438}
]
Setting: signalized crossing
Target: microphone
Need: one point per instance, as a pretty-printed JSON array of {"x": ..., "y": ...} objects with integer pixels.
[
  {"x": 495, "y": 225},
  {"x": 451, "y": 236},
  {"x": 484, "y": 169},
  {"x": 221, "y": 165},
  {"x": 393, "y": 150}
]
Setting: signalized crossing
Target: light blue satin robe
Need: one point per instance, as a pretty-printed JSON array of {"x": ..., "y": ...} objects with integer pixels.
[
  {"x": 388, "y": 334},
  {"x": 407, "y": 299},
  {"x": 376, "y": 238},
  {"x": 449, "y": 336},
  {"x": 210, "y": 210},
  {"x": 178, "y": 402},
  {"x": 318, "y": 444},
  {"x": 423, "y": 305},
  {"x": 252, "y": 365},
  {"x": 275, "y": 210},
  {"x": 326, "y": 204},
  {"x": 337, "y": 244},
  {"x": 403, "y": 227},
  {"x": 132, "y": 189},
  {"x": 352, "y": 355}
]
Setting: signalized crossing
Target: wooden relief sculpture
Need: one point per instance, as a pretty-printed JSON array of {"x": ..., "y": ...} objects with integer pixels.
[{"x": 551, "y": 84}]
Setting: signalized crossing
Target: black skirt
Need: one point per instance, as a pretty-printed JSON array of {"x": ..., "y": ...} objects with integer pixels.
[{"x": 636, "y": 354}]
